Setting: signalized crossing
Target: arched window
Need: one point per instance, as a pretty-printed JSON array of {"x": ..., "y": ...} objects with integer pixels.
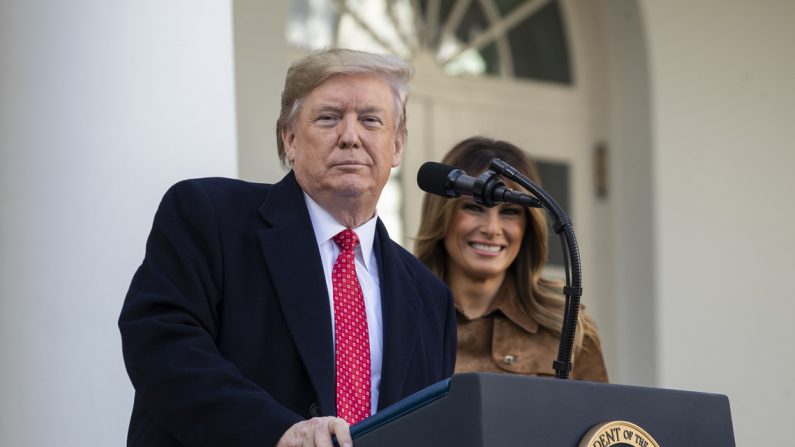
[{"x": 518, "y": 39}]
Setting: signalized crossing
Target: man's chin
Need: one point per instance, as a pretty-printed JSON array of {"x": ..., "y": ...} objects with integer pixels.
[
  {"x": 349, "y": 190},
  {"x": 354, "y": 183},
  {"x": 349, "y": 186}
]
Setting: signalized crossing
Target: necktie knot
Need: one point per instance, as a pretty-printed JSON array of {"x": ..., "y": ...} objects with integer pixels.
[{"x": 346, "y": 239}]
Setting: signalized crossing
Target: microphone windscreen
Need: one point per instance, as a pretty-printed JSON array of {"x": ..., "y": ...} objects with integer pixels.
[{"x": 432, "y": 178}]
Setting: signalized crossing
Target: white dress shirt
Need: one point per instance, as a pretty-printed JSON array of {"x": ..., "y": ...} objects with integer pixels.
[{"x": 326, "y": 227}]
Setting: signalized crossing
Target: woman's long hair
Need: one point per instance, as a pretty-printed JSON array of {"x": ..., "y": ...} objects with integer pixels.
[{"x": 540, "y": 297}]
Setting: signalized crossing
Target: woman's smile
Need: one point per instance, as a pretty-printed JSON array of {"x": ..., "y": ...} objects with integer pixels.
[{"x": 482, "y": 241}]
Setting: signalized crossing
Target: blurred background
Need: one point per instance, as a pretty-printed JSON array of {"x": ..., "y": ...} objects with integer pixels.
[{"x": 665, "y": 127}]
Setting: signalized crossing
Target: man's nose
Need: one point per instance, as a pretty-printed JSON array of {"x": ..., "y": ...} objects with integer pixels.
[{"x": 349, "y": 132}]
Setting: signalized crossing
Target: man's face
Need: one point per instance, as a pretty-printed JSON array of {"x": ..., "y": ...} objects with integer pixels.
[{"x": 344, "y": 142}]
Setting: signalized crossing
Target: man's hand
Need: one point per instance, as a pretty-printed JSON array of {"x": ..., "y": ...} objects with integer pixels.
[{"x": 317, "y": 432}]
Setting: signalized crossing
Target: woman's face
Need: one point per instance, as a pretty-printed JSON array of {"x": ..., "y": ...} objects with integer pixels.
[{"x": 483, "y": 242}]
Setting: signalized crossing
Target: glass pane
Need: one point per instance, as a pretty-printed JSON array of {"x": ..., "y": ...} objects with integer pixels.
[
  {"x": 555, "y": 178},
  {"x": 539, "y": 49},
  {"x": 470, "y": 62},
  {"x": 404, "y": 16},
  {"x": 473, "y": 24},
  {"x": 445, "y": 7},
  {"x": 377, "y": 26},
  {"x": 506, "y": 6},
  {"x": 352, "y": 35},
  {"x": 444, "y": 10},
  {"x": 423, "y": 7},
  {"x": 492, "y": 59},
  {"x": 310, "y": 24}
]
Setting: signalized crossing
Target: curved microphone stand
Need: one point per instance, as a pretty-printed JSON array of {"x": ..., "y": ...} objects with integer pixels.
[{"x": 573, "y": 288}]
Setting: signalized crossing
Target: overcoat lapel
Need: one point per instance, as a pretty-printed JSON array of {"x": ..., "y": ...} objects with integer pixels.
[
  {"x": 399, "y": 306},
  {"x": 291, "y": 254}
]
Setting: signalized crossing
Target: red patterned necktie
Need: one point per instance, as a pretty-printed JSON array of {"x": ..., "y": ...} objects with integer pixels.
[{"x": 352, "y": 351}]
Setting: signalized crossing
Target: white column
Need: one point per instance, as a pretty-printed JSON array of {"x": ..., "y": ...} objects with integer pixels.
[
  {"x": 103, "y": 104},
  {"x": 723, "y": 95},
  {"x": 633, "y": 228}
]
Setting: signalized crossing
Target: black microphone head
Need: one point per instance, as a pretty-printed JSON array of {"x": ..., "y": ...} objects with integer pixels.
[{"x": 435, "y": 178}]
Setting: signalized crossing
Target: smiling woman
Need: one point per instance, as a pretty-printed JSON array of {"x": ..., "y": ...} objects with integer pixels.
[{"x": 509, "y": 316}]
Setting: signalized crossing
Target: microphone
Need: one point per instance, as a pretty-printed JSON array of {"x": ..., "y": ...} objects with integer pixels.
[{"x": 450, "y": 182}]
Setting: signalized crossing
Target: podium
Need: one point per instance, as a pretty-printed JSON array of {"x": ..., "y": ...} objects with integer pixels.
[{"x": 491, "y": 410}]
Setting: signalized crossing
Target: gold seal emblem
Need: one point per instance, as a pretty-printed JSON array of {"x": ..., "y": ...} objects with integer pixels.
[{"x": 617, "y": 433}]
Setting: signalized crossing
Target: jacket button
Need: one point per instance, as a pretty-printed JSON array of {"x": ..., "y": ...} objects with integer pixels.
[
  {"x": 314, "y": 410},
  {"x": 509, "y": 359}
]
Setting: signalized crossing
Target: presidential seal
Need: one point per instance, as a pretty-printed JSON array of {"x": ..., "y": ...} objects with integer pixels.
[{"x": 617, "y": 433}]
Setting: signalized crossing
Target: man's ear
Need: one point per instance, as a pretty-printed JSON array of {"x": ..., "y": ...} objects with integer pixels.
[
  {"x": 288, "y": 142},
  {"x": 397, "y": 156}
]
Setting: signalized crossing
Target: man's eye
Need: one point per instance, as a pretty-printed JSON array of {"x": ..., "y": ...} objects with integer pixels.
[
  {"x": 326, "y": 118},
  {"x": 371, "y": 121}
]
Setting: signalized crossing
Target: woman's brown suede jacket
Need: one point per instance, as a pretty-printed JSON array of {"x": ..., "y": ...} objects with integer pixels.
[{"x": 505, "y": 339}]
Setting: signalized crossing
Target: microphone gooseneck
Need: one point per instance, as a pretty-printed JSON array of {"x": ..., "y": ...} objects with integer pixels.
[{"x": 571, "y": 252}]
